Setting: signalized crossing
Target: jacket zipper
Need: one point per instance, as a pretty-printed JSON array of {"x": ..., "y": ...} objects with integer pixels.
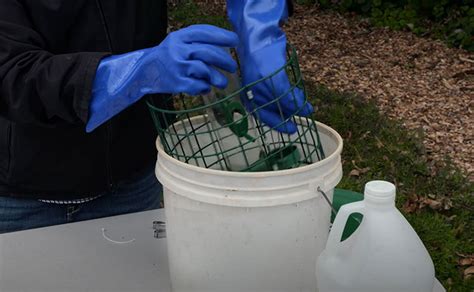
[
  {"x": 108, "y": 155},
  {"x": 10, "y": 150},
  {"x": 108, "y": 130}
]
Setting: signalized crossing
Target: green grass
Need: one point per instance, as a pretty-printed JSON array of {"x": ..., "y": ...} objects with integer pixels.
[
  {"x": 386, "y": 150},
  {"x": 189, "y": 13},
  {"x": 450, "y": 21}
]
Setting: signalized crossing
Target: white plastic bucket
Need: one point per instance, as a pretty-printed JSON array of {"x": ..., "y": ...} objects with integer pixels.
[{"x": 234, "y": 231}]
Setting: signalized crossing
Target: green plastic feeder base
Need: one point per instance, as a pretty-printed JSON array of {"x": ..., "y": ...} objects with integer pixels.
[{"x": 342, "y": 197}]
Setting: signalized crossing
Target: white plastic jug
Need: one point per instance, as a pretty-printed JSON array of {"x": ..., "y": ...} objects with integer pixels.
[{"x": 383, "y": 255}]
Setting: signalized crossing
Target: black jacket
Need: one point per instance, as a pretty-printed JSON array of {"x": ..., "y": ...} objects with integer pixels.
[{"x": 49, "y": 51}]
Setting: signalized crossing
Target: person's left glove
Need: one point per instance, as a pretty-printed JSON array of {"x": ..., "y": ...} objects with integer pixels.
[
  {"x": 185, "y": 62},
  {"x": 262, "y": 51}
]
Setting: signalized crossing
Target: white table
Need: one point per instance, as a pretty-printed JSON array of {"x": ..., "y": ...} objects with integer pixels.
[{"x": 78, "y": 257}]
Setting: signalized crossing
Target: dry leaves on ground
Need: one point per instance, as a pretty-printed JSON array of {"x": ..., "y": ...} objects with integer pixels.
[
  {"x": 415, "y": 203},
  {"x": 467, "y": 262}
]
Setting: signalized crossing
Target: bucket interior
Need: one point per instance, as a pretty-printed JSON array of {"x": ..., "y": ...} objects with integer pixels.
[{"x": 192, "y": 142}]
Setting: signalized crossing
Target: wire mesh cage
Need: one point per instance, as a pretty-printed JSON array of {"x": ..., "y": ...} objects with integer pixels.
[{"x": 217, "y": 131}]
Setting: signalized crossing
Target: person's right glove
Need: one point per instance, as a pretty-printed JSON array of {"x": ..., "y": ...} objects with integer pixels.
[{"x": 185, "y": 62}]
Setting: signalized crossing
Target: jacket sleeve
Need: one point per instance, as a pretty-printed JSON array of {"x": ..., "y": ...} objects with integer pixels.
[{"x": 37, "y": 86}]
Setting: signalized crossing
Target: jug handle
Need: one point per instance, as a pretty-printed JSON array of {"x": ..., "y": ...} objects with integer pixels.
[{"x": 334, "y": 239}]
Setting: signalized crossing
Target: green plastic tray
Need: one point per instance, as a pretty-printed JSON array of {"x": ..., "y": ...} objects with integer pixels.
[{"x": 342, "y": 197}]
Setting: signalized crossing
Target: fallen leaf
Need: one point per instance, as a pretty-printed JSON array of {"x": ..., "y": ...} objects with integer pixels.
[
  {"x": 411, "y": 205},
  {"x": 468, "y": 272},
  {"x": 433, "y": 204},
  {"x": 451, "y": 218},
  {"x": 379, "y": 143},
  {"x": 354, "y": 172},
  {"x": 447, "y": 204},
  {"x": 466, "y": 262},
  {"x": 364, "y": 135},
  {"x": 466, "y": 59},
  {"x": 447, "y": 84},
  {"x": 415, "y": 203}
]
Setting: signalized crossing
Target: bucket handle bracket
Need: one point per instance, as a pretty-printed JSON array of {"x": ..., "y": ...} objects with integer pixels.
[{"x": 159, "y": 229}]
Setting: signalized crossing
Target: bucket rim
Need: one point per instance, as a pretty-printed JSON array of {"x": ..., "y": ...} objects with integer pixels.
[{"x": 225, "y": 173}]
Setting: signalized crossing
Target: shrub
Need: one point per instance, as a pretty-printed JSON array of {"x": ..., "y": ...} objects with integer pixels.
[{"x": 451, "y": 20}]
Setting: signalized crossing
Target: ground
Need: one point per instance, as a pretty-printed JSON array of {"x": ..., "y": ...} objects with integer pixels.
[
  {"x": 404, "y": 107},
  {"x": 418, "y": 81}
]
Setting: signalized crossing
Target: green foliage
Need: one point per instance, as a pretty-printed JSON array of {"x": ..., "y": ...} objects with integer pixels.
[
  {"x": 188, "y": 13},
  {"x": 450, "y": 20}
]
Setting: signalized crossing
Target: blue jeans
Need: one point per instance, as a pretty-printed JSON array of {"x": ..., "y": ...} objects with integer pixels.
[{"x": 141, "y": 194}]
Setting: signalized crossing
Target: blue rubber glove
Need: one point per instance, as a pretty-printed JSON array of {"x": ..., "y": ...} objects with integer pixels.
[
  {"x": 185, "y": 62},
  {"x": 262, "y": 51}
]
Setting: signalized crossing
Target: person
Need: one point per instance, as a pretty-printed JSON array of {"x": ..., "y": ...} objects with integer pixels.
[{"x": 76, "y": 139}]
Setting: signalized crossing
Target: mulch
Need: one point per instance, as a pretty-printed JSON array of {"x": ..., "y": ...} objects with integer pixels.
[{"x": 419, "y": 81}]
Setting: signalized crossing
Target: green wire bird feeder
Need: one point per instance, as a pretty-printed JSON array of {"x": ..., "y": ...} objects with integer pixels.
[{"x": 216, "y": 131}]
